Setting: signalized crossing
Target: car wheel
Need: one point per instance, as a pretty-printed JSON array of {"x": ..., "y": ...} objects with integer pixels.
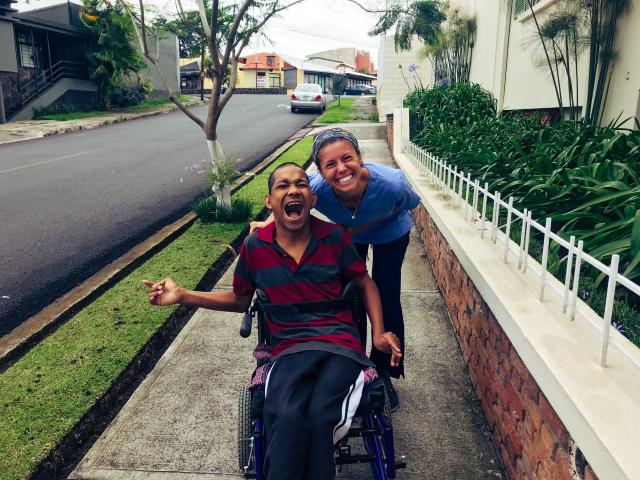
[{"x": 293, "y": 110}]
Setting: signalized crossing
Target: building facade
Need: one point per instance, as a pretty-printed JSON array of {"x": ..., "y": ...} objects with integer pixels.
[
  {"x": 507, "y": 62},
  {"x": 43, "y": 61}
]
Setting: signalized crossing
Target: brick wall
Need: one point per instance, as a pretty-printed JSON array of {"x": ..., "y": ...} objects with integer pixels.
[
  {"x": 389, "y": 131},
  {"x": 532, "y": 440}
]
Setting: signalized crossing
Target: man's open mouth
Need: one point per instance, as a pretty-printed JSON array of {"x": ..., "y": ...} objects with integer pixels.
[{"x": 293, "y": 209}]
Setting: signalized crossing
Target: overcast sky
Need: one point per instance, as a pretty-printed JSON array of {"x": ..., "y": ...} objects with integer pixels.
[{"x": 312, "y": 26}]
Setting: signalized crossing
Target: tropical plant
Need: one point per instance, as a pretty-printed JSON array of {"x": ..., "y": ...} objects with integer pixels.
[
  {"x": 421, "y": 18},
  {"x": 603, "y": 23},
  {"x": 450, "y": 52},
  {"x": 208, "y": 210},
  {"x": 584, "y": 177},
  {"x": 112, "y": 56},
  {"x": 564, "y": 34}
]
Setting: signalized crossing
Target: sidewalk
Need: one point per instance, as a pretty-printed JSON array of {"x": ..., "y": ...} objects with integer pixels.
[
  {"x": 181, "y": 422},
  {"x": 31, "y": 129}
]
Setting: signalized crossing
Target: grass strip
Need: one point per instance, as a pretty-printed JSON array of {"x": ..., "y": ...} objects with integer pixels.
[
  {"x": 141, "y": 107},
  {"x": 45, "y": 393},
  {"x": 337, "y": 113}
]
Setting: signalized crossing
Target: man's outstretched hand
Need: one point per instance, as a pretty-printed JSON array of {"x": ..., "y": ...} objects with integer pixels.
[
  {"x": 164, "y": 292},
  {"x": 388, "y": 342}
]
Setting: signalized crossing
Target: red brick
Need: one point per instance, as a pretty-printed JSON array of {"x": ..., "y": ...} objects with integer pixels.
[
  {"x": 508, "y": 463},
  {"x": 563, "y": 465},
  {"x": 529, "y": 389},
  {"x": 515, "y": 404},
  {"x": 546, "y": 442},
  {"x": 589, "y": 473},
  {"x": 532, "y": 419},
  {"x": 530, "y": 466},
  {"x": 515, "y": 378},
  {"x": 551, "y": 418}
]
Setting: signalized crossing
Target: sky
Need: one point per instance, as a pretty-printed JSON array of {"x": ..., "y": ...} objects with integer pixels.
[{"x": 311, "y": 26}]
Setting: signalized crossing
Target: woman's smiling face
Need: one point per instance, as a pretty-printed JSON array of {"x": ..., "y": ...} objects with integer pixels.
[{"x": 341, "y": 166}]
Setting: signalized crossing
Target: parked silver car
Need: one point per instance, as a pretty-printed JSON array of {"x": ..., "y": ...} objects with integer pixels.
[{"x": 308, "y": 96}]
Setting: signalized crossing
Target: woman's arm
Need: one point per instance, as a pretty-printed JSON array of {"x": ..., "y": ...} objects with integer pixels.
[{"x": 386, "y": 342}]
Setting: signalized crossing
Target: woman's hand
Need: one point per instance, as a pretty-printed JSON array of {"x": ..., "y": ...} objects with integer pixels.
[
  {"x": 164, "y": 292},
  {"x": 253, "y": 226},
  {"x": 389, "y": 342}
]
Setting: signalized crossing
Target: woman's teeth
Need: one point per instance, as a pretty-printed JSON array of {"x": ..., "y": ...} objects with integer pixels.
[{"x": 346, "y": 179}]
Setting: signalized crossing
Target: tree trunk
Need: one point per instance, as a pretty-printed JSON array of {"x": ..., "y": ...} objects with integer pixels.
[{"x": 222, "y": 192}]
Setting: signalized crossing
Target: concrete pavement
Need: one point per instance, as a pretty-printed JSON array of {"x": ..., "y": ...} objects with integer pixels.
[{"x": 181, "y": 422}]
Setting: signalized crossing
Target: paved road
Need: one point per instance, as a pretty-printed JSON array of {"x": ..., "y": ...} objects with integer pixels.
[{"x": 70, "y": 204}]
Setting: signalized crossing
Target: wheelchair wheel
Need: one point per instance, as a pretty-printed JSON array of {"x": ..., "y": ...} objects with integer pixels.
[{"x": 245, "y": 429}]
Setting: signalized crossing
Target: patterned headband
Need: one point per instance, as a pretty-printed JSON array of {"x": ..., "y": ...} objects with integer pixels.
[{"x": 328, "y": 136}]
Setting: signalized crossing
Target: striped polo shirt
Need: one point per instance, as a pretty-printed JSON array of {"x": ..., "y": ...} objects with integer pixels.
[{"x": 329, "y": 262}]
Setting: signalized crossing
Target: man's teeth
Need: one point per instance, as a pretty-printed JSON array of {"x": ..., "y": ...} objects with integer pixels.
[{"x": 346, "y": 179}]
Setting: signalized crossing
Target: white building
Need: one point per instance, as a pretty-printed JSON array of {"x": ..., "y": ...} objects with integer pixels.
[{"x": 504, "y": 61}]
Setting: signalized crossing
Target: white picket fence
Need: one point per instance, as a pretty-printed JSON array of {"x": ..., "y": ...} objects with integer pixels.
[{"x": 473, "y": 198}]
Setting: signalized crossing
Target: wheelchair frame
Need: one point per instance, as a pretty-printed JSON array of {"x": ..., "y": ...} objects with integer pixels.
[{"x": 373, "y": 426}]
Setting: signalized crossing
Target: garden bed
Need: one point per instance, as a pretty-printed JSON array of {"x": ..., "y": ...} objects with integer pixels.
[{"x": 585, "y": 178}]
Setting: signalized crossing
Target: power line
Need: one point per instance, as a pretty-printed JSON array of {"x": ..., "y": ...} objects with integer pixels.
[{"x": 324, "y": 35}]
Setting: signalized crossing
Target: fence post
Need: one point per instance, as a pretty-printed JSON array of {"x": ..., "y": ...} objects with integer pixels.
[{"x": 608, "y": 309}]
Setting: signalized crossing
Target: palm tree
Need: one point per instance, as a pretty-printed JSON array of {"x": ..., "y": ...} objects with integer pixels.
[{"x": 421, "y": 18}]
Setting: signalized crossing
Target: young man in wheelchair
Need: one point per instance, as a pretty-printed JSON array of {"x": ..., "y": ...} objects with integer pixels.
[{"x": 315, "y": 383}]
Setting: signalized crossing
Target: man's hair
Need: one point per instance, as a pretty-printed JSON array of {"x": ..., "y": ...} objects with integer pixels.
[{"x": 285, "y": 164}]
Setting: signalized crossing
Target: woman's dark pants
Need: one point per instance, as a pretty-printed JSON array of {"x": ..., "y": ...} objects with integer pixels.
[{"x": 386, "y": 272}]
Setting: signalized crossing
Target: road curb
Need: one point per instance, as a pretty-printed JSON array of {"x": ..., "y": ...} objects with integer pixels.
[
  {"x": 124, "y": 117},
  {"x": 17, "y": 342}
]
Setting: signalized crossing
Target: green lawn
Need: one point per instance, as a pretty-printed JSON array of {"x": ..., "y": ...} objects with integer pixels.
[
  {"x": 337, "y": 113},
  {"x": 46, "y": 392},
  {"x": 146, "y": 105}
]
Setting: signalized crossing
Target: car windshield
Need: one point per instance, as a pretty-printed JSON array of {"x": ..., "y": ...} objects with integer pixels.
[{"x": 308, "y": 88}]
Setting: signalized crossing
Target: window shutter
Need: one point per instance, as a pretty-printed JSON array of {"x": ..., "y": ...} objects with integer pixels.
[{"x": 519, "y": 6}]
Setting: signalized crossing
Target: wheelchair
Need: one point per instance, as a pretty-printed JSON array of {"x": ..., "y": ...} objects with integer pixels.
[{"x": 372, "y": 420}]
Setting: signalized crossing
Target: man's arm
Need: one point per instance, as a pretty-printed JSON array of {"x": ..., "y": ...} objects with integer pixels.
[
  {"x": 384, "y": 341},
  {"x": 168, "y": 292}
]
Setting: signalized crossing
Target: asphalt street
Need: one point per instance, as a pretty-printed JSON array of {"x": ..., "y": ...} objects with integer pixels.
[{"x": 70, "y": 204}]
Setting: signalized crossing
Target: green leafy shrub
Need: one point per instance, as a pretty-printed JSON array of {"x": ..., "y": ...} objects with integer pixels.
[
  {"x": 127, "y": 96},
  {"x": 208, "y": 210},
  {"x": 585, "y": 178},
  {"x": 39, "y": 112}
]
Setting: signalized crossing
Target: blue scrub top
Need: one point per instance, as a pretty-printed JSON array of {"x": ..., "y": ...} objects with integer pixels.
[{"x": 388, "y": 190}]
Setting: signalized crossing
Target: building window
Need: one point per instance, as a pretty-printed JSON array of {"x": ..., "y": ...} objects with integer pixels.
[
  {"x": 271, "y": 61},
  {"x": 521, "y": 6},
  {"x": 29, "y": 50}
]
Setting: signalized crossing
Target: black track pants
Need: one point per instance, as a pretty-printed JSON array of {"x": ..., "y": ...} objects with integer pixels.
[
  {"x": 310, "y": 399},
  {"x": 386, "y": 269}
]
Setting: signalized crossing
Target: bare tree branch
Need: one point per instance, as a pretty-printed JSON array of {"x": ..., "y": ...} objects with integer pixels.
[
  {"x": 234, "y": 30},
  {"x": 205, "y": 22},
  {"x": 141, "y": 35},
  {"x": 213, "y": 41},
  {"x": 194, "y": 28}
]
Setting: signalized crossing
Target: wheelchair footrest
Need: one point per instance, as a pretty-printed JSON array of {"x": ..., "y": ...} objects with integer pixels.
[
  {"x": 359, "y": 432},
  {"x": 401, "y": 463},
  {"x": 350, "y": 459}
]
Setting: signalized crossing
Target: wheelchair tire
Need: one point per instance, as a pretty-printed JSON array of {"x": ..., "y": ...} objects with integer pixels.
[{"x": 245, "y": 429}]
